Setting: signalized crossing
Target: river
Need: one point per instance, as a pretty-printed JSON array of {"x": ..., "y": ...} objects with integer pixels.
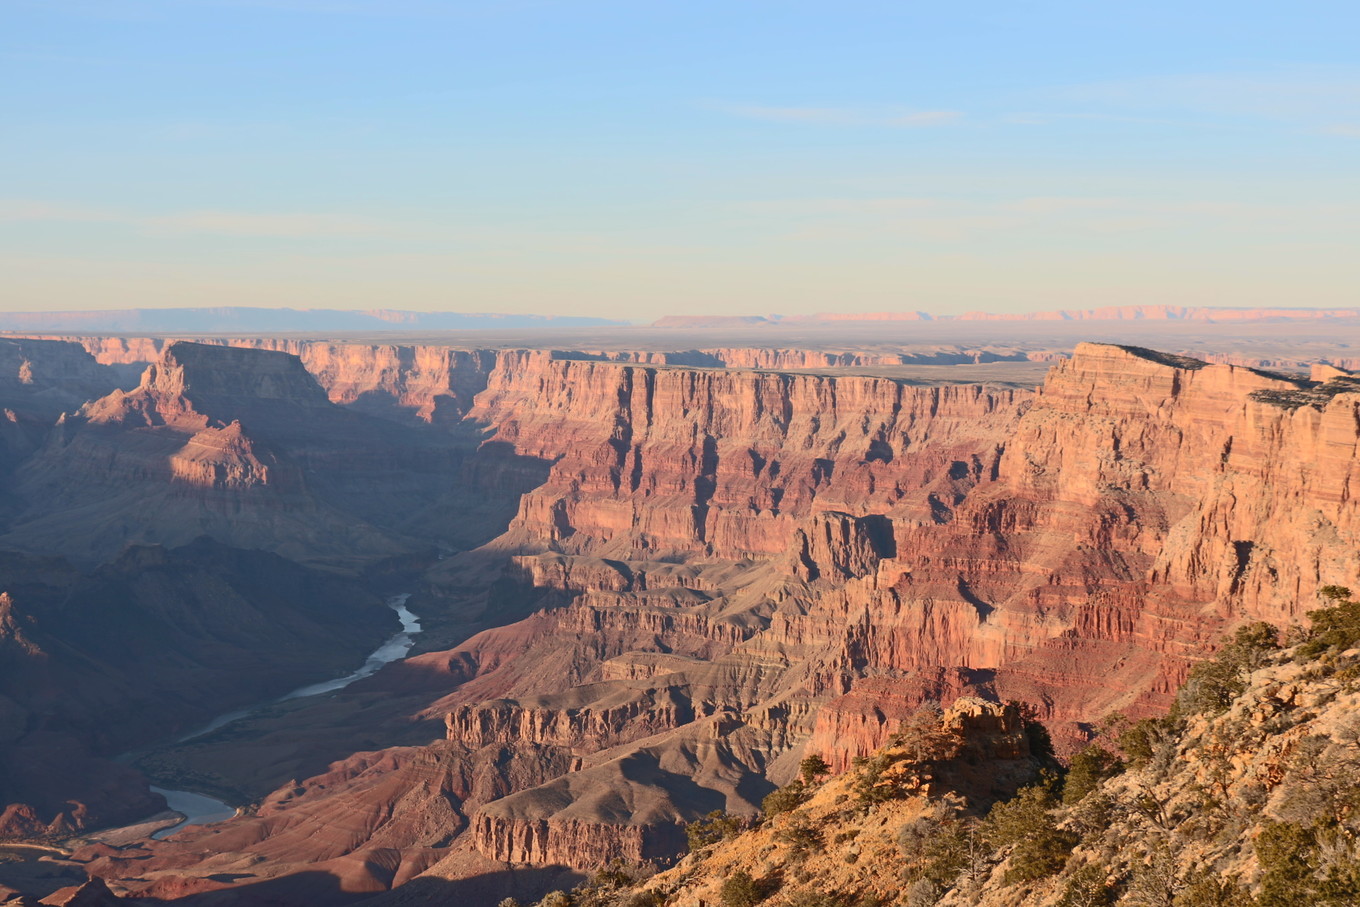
[{"x": 201, "y": 810}]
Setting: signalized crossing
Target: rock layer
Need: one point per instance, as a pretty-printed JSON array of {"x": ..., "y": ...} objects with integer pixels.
[{"x": 724, "y": 569}]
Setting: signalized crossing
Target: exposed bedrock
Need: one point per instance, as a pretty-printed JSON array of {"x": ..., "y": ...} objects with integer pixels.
[
  {"x": 676, "y": 463},
  {"x": 740, "y": 567},
  {"x": 729, "y": 569},
  {"x": 1080, "y": 546}
]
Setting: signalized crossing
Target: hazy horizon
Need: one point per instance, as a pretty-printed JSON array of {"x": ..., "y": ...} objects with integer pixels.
[{"x": 607, "y": 160}]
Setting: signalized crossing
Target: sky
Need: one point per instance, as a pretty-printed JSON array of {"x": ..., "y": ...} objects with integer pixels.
[{"x": 643, "y": 158}]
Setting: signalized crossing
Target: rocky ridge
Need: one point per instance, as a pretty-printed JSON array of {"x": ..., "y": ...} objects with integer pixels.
[{"x": 1243, "y": 797}]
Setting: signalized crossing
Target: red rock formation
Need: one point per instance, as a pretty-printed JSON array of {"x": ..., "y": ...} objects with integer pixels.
[
  {"x": 435, "y": 383},
  {"x": 1078, "y": 570},
  {"x": 732, "y": 568},
  {"x": 725, "y": 464},
  {"x": 244, "y": 445},
  {"x": 568, "y": 842},
  {"x": 193, "y": 386}
]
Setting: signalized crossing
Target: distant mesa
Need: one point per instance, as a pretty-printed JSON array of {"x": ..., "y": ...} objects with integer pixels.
[
  {"x": 244, "y": 320},
  {"x": 1208, "y": 314},
  {"x": 255, "y": 319},
  {"x": 728, "y": 321}
]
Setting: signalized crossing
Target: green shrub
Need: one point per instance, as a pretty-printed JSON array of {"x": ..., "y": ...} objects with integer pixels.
[
  {"x": 801, "y": 837},
  {"x": 949, "y": 852},
  {"x": 925, "y": 738},
  {"x": 1088, "y": 768},
  {"x": 788, "y": 797},
  {"x": 1213, "y": 684},
  {"x": 1206, "y": 890},
  {"x": 1333, "y": 629},
  {"x": 870, "y": 785},
  {"x": 740, "y": 890},
  {"x": 811, "y": 897},
  {"x": 712, "y": 828},
  {"x": 1314, "y": 865},
  {"x": 1038, "y": 847},
  {"x": 1144, "y": 740},
  {"x": 644, "y": 899},
  {"x": 1287, "y": 854},
  {"x": 1086, "y": 887},
  {"x": 812, "y": 768}
]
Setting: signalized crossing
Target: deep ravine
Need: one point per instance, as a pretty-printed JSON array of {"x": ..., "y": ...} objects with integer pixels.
[{"x": 199, "y": 809}]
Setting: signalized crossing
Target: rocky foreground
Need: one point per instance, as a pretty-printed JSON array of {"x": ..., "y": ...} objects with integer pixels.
[
  {"x": 1246, "y": 795},
  {"x": 653, "y": 588}
]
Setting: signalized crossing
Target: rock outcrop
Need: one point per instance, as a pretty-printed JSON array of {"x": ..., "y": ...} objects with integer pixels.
[
  {"x": 1141, "y": 503},
  {"x": 1248, "y": 801},
  {"x": 41, "y": 379}
]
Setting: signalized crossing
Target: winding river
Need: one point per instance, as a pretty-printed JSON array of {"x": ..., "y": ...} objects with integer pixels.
[{"x": 201, "y": 810}]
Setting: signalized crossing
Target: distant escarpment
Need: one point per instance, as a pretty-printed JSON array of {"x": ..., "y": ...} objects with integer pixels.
[
  {"x": 274, "y": 320},
  {"x": 1104, "y": 313},
  {"x": 437, "y": 383}
]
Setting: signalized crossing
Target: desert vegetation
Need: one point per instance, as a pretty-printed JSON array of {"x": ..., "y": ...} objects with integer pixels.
[{"x": 1245, "y": 794}]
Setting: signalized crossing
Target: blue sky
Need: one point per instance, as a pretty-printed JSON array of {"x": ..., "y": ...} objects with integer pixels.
[{"x": 645, "y": 158}]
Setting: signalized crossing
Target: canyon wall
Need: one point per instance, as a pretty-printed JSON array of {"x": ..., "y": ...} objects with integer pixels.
[
  {"x": 96, "y": 663},
  {"x": 871, "y": 547},
  {"x": 1076, "y": 550},
  {"x": 725, "y": 569},
  {"x": 652, "y": 463}
]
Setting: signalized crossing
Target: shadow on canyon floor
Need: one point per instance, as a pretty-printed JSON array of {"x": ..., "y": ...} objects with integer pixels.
[{"x": 321, "y": 889}]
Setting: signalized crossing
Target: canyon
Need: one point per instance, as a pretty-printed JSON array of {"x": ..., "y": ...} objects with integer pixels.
[{"x": 651, "y": 580}]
